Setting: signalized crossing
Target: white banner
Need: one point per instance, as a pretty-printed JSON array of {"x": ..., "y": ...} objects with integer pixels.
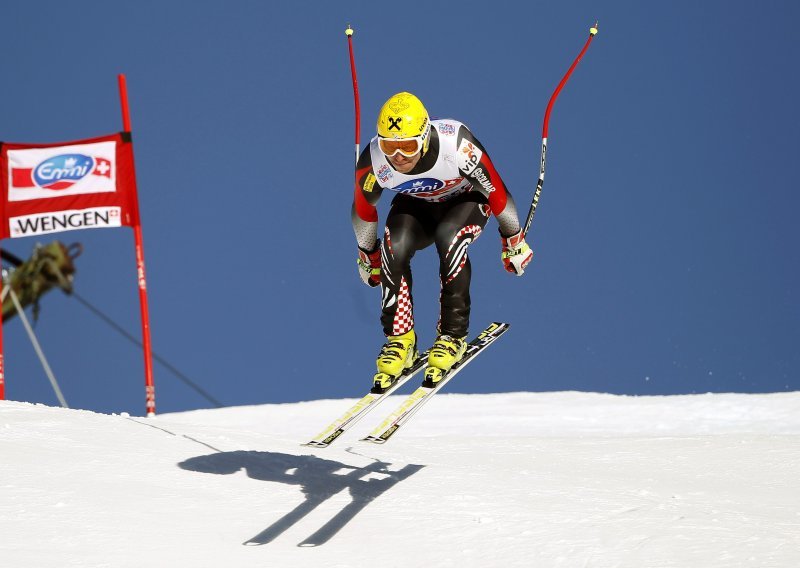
[
  {"x": 44, "y": 173},
  {"x": 43, "y": 223}
]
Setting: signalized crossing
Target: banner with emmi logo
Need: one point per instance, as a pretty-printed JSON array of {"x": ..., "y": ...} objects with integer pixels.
[
  {"x": 49, "y": 188},
  {"x": 85, "y": 184}
]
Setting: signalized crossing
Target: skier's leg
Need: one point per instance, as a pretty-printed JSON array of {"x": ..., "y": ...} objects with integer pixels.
[
  {"x": 407, "y": 231},
  {"x": 460, "y": 226}
]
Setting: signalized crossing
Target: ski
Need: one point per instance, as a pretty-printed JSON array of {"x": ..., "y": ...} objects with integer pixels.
[
  {"x": 364, "y": 405},
  {"x": 423, "y": 394}
]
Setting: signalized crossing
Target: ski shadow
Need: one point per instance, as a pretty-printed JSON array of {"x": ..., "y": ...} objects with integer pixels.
[{"x": 319, "y": 479}]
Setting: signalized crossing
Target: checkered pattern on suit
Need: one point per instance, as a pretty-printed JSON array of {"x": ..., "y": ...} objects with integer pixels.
[{"x": 404, "y": 315}]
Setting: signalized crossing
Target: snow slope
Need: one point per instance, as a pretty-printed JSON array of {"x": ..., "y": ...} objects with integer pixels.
[{"x": 524, "y": 479}]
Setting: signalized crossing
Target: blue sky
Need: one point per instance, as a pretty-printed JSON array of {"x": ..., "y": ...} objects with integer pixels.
[{"x": 666, "y": 238}]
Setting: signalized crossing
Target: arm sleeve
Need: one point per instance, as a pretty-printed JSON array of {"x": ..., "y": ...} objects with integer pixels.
[
  {"x": 364, "y": 214},
  {"x": 475, "y": 165}
]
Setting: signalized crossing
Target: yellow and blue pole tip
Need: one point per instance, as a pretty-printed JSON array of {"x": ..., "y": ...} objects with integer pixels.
[
  {"x": 593, "y": 29},
  {"x": 349, "y": 31}
]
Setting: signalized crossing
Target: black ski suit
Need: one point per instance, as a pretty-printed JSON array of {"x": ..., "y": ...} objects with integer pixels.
[{"x": 445, "y": 200}]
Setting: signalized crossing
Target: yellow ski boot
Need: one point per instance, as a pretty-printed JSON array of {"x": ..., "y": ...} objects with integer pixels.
[
  {"x": 398, "y": 354},
  {"x": 446, "y": 352}
]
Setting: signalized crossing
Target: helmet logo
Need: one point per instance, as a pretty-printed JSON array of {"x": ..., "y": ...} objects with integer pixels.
[
  {"x": 403, "y": 116},
  {"x": 399, "y": 105}
]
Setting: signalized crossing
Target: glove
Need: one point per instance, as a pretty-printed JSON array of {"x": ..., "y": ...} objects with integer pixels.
[
  {"x": 369, "y": 265},
  {"x": 516, "y": 253}
]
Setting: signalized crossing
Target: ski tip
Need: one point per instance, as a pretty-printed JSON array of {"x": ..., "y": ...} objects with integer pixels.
[
  {"x": 494, "y": 328},
  {"x": 373, "y": 440}
]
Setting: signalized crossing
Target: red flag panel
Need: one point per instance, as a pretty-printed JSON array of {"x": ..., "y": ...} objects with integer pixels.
[{"x": 85, "y": 184}]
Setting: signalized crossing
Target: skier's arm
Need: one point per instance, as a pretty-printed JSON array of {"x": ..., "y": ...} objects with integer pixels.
[
  {"x": 475, "y": 165},
  {"x": 364, "y": 216}
]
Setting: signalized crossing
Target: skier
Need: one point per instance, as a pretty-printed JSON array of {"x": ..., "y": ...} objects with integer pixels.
[{"x": 447, "y": 188}]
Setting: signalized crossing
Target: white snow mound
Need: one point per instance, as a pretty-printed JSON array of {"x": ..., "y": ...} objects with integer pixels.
[{"x": 522, "y": 479}]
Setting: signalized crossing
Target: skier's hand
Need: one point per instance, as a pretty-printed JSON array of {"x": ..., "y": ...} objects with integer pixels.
[
  {"x": 369, "y": 265},
  {"x": 516, "y": 253}
]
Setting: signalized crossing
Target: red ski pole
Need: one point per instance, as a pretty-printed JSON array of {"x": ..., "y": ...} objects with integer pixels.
[
  {"x": 553, "y": 97},
  {"x": 349, "y": 33}
]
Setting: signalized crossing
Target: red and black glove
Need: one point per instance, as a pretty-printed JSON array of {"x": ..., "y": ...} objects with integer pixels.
[
  {"x": 369, "y": 265},
  {"x": 516, "y": 253}
]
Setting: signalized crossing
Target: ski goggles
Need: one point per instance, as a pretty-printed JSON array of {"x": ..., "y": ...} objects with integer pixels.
[{"x": 408, "y": 147}]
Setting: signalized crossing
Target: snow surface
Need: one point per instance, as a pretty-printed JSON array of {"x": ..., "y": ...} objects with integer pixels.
[{"x": 523, "y": 479}]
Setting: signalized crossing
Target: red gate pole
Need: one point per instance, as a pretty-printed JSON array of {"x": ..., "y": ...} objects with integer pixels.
[
  {"x": 150, "y": 394},
  {"x": 349, "y": 33},
  {"x": 2, "y": 359},
  {"x": 545, "y": 126}
]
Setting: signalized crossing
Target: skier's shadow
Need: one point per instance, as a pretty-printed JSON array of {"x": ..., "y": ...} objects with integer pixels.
[{"x": 319, "y": 479}]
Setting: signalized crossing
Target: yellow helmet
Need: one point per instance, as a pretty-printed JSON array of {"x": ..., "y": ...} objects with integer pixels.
[{"x": 403, "y": 116}]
